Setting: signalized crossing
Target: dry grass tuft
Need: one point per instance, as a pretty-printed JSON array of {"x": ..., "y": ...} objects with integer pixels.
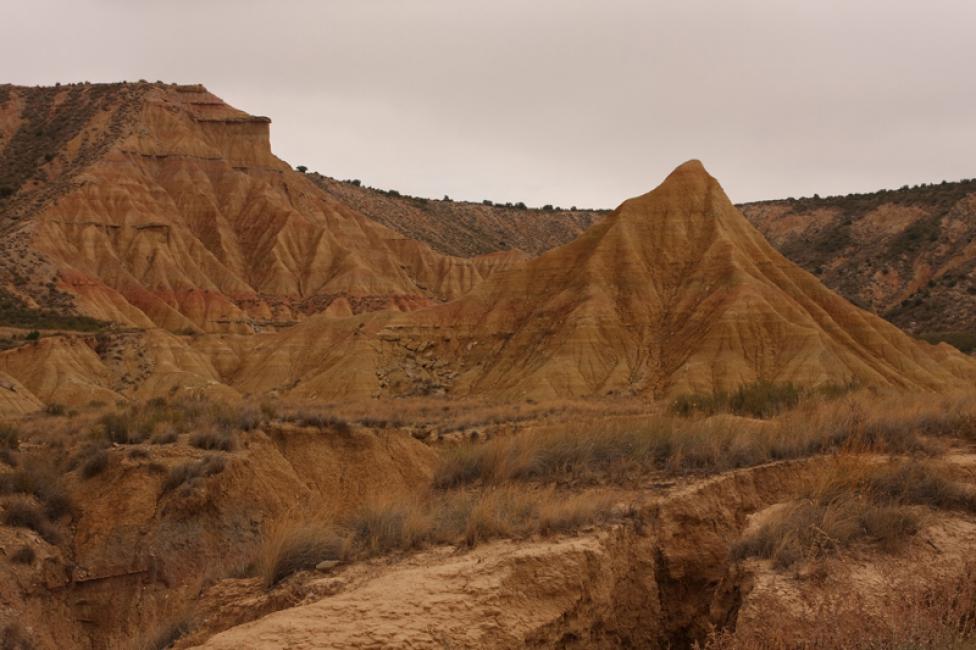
[
  {"x": 854, "y": 504},
  {"x": 318, "y": 419},
  {"x": 460, "y": 518},
  {"x": 213, "y": 441},
  {"x": 94, "y": 463},
  {"x": 24, "y": 555},
  {"x": 13, "y": 636},
  {"x": 299, "y": 548},
  {"x": 39, "y": 478},
  {"x": 190, "y": 472},
  {"x": 23, "y": 513},
  {"x": 941, "y": 617},
  {"x": 618, "y": 449},
  {"x": 167, "y": 634},
  {"x": 9, "y": 436}
]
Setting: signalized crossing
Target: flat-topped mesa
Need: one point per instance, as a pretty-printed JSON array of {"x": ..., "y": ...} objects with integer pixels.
[
  {"x": 154, "y": 204},
  {"x": 242, "y": 139}
]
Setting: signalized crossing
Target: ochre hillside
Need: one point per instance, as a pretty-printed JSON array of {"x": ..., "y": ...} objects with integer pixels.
[
  {"x": 461, "y": 227},
  {"x": 161, "y": 209},
  {"x": 674, "y": 292},
  {"x": 908, "y": 254},
  {"x": 160, "y": 205}
]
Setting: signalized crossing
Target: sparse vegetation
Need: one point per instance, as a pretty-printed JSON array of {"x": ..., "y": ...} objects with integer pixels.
[
  {"x": 319, "y": 420},
  {"x": 855, "y": 505},
  {"x": 161, "y": 422},
  {"x": 94, "y": 464},
  {"x": 22, "y": 513},
  {"x": 38, "y": 478},
  {"x": 15, "y": 313},
  {"x": 761, "y": 399},
  {"x": 14, "y": 637},
  {"x": 23, "y": 555},
  {"x": 187, "y": 473},
  {"x": 55, "y": 410},
  {"x": 167, "y": 634},
  {"x": 300, "y": 548},
  {"x": 460, "y": 518},
  {"x": 621, "y": 451},
  {"x": 213, "y": 441},
  {"x": 9, "y": 436}
]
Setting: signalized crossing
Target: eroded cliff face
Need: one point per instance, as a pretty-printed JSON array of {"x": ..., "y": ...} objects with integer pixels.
[
  {"x": 674, "y": 292},
  {"x": 182, "y": 218},
  {"x": 136, "y": 550},
  {"x": 663, "y": 578}
]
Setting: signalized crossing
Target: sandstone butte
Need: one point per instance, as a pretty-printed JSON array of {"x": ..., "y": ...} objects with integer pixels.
[
  {"x": 179, "y": 225},
  {"x": 153, "y": 205}
]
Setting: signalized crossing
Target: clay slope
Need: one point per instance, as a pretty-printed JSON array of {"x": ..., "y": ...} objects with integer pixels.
[
  {"x": 908, "y": 255},
  {"x": 461, "y": 227},
  {"x": 674, "y": 292},
  {"x": 162, "y": 205}
]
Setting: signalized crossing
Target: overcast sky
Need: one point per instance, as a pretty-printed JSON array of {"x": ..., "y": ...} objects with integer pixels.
[{"x": 563, "y": 101}]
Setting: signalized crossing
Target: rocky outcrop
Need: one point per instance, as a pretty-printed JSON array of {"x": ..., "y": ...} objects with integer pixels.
[
  {"x": 137, "y": 549},
  {"x": 182, "y": 218}
]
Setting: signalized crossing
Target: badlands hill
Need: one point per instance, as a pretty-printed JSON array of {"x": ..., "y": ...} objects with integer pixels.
[
  {"x": 905, "y": 254},
  {"x": 673, "y": 292},
  {"x": 908, "y": 254},
  {"x": 160, "y": 205},
  {"x": 161, "y": 210}
]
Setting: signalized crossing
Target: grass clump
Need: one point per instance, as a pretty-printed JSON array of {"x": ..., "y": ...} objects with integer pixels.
[
  {"x": 22, "y": 513},
  {"x": 318, "y": 420},
  {"x": 213, "y": 441},
  {"x": 164, "y": 438},
  {"x": 619, "y": 451},
  {"x": 190, "y": 472},
  {"x": 9, "y": 436},
  {"x": 55, "y": 409},
  {"x": 23, "y": 555},
  {"x": 161, "y": 421},
  {"x": 40, "y": 480},
  {"x": 760, "y": 399},
  {"x": 460, "y": 518},
  {"x": 94, "y": 464},
  {"x": 14, "y": 637},
  {"x": 852, "y": 506},
  {"x": 166, "y": 634},
  {"x": 299, "y": 549}
]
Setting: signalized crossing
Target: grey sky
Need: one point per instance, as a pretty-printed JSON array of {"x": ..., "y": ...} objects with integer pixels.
[{"x": 580, "y": 102}]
